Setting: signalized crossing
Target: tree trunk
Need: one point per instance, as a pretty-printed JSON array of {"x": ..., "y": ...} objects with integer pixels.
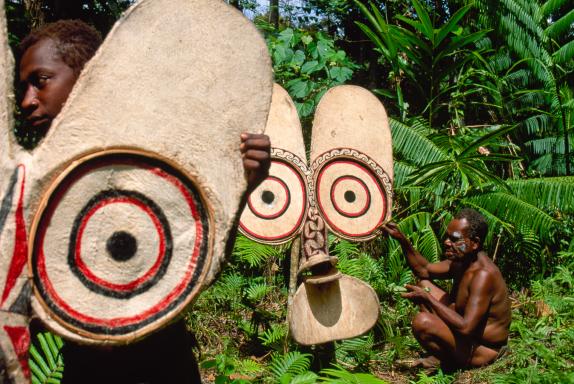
[
  {"x": 34, "y": 13},
  {"x": 274, "y": 12}
]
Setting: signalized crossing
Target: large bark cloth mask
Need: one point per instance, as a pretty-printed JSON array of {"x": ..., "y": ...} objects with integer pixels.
[
  {"x": 129, "y": 201},
  {"x": 347, "y": 189}
]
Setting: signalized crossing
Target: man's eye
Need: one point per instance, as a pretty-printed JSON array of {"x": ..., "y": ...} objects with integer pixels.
[
  {"x": 43, "y": 79},
  {"x": 39, "y": 81}
]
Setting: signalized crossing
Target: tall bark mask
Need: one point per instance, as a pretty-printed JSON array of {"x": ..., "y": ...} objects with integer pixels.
[
  {"x": 347, "y": 190},
  {"x": 125, "y": 210}
]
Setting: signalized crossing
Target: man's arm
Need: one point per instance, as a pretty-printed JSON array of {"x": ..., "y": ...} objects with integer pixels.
[
  {"x": 479, "y": 298},
  {"x": 420, "y": 266}
]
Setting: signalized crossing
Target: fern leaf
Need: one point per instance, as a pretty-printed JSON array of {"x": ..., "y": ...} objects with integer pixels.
[
  {"x": 304, "y": 378},
  {"x": 339, "y": 375},
  {"x": 253, "y": 253},
  {"x": 293, "y": 363}
]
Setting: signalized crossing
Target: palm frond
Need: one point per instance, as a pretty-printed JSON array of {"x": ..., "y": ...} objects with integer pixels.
[
  {"x": 413, "y": 146},
  {"x": 552, "y": 6},
  {"x": 515, "y": 211},
  {"x": 429, "y": 245},
  {"x": 564, "y": 54},
  {"x": 549, "y": 193},
  {"x": 560, "y": 26}
]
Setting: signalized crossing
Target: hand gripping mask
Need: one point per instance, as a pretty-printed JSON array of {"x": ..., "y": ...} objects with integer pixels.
[
  {"x": 347, "y": 189},
  {"x": 125, "y": 209}
]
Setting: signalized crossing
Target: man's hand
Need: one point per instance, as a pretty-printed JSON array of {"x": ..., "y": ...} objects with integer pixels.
[
  {"x": 256, "y": 153},
  {"x": 417, "y": 294},
  {"x": 393, "y": 230}
]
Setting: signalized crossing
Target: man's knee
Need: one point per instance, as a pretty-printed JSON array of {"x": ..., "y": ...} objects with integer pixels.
[
  {"x": 424, "y": 283},
  {"x": 423, "y": 323}
]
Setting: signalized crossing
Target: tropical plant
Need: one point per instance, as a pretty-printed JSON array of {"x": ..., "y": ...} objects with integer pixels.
[
  {"x": 539, "y": 37},
  {"x": 428, "y": 54},
  {"x": 46, "y": 361},
  {"x": 307, "y": 64}
]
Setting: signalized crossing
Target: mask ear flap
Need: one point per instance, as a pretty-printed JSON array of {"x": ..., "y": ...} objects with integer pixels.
[
  {"x": 138, "y": 182},
  {"x": 352, "y": 162},
  {"x": 276, "y": 210},
  {"x": 14, "y": 286},
  {"x": 6, "y": 93}
]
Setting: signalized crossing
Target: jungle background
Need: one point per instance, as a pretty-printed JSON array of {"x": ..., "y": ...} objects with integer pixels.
[{"x": 481, "y": 99}]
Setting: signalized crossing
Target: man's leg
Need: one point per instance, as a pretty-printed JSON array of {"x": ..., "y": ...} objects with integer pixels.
[{"x": 453, "y": 350}]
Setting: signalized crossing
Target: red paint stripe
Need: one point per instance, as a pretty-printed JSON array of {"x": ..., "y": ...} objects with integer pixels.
[
  {"x": 290, "y": 231},
  {"x": 132, "y": 284},
  {"x": 20, "y": 338},
  {"x": 20, "y": 253},
  {"x": 281, "y": 210},
  {"x": 362, "y": 184},
  {"x": 322, "y": 209},
  {"x": 125, "y": 321}
]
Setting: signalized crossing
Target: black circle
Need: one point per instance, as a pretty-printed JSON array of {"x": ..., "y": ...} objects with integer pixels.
[
  {"x": 122, "y": 246},
  {"x": 157, "y": 212},
  {"x": 268, "y": 197},
  {"x": 350, "y": 196}
]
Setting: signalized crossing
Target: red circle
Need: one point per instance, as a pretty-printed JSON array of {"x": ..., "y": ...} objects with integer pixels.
[
  {"x": 342, "y": 211},
  {"x": 132, "y": 284},
  {"x": 322, "y": 208},
  {"x": 285, "y": 203},
  {"x": 299, "y": 219},
  {"x": 160, "y": 306}
]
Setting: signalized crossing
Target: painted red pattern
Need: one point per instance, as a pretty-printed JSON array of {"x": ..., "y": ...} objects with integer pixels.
[
  {"x": 132, "y": 284},
  {"x": 20, "y": 338},
  {"x": 331, "y": 224},
  {"x": 281, "y": 210},
  {"x": 20, "y": 253},
  {"x": 125, "y": 321},
  {"x": 290, "y": 231},
  {"x": 362, "y": 185}
]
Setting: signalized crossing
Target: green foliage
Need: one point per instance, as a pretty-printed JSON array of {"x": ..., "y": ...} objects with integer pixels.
[
  {"x": 46, "y": 361},
  {"x": 307, "y": 64},
  {"x": 284, "y": 368},
  {"x": 254, "y": 254},
  {"x": 339, "y": 375}
]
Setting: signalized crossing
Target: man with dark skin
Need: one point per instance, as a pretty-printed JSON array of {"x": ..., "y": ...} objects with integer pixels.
[
  {"x": 51, "y": 60},
  {"x": 467, "y": 327}
]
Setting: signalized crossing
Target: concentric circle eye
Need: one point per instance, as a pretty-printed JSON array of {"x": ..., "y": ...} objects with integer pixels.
[
  {"x": 275, "y": 210},
  {"x": 120, "y": 244},
  {"x": 351, "y": 197}
]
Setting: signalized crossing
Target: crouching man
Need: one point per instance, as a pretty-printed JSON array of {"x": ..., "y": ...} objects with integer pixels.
[{"x": 469, "y": 326}]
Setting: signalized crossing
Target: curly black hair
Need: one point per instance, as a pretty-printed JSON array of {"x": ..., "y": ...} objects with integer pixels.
[
  {"x": 477, "y": 226},
  {"x": 75, "y": 41}
]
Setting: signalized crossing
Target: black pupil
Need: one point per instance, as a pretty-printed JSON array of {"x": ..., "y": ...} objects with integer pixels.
[
  {"x": 122, "y": 246},
  {"x": 350, "y": 196},
  {"x": 267, "y": 197}
]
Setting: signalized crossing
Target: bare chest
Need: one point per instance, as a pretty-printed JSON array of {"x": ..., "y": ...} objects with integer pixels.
[{"x": 461, "y": 292}]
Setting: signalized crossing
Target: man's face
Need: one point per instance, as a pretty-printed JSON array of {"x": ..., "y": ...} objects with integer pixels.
[
  {"x": 46, "y": 81},
  {"x": 457, "y": 243}
]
